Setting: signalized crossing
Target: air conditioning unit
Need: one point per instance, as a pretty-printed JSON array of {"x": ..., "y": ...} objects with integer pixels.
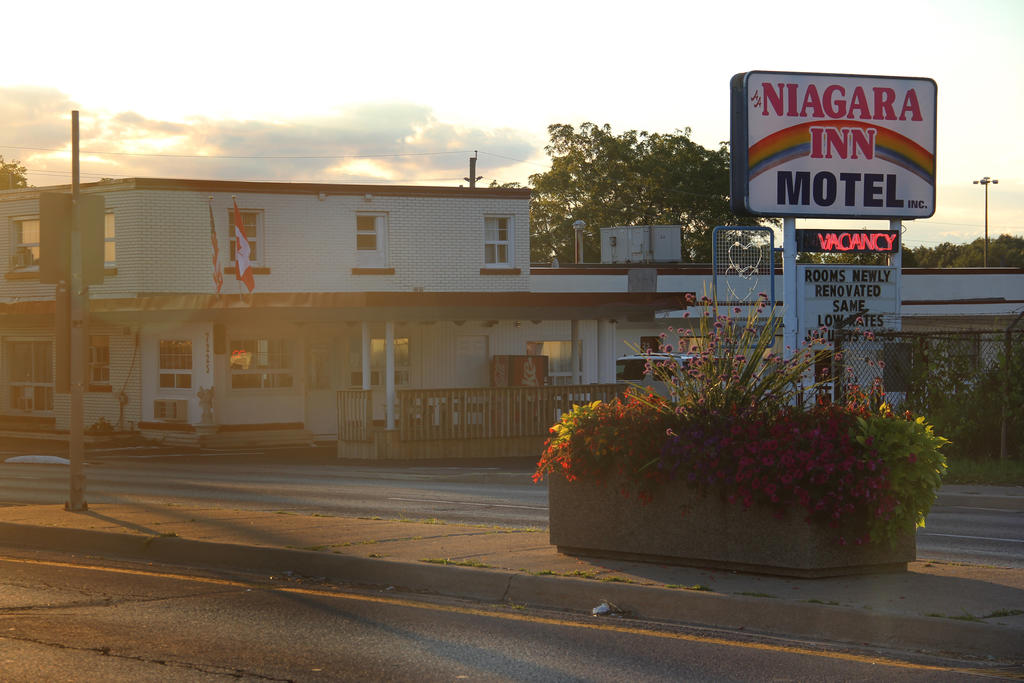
[
  {"x": 22, "y": 259},
  {"x": 170, "y": 410},
  {"x": 641, "y": 244}
]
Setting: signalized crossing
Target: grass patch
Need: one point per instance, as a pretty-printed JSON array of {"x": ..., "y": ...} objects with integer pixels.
[
  {"x": 582, "y": 574},
  {"x": 966, "y": 616},
  {"x": 545, "y": 572},
  {"x": 460, "y": 563},
  {"x": 997, "y": 472},
  {"x": 617, "y": 579},
  {"x": 815, "y": 601},
  {"x": 757, "y": 595},
  {"x": 694, "y": 587},
  {"x": 375, "y": 555},
  {"x": 1004, "y": 613}
]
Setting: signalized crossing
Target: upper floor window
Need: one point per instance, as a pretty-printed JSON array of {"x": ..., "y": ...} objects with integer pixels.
[
  {"x": 371, "y": 240},
  {"x": 109, "y": 248},
  {"x": 25, "y": 253},
  {"x": 252, "y": 223},
  {"x": 497, "y": 241}
]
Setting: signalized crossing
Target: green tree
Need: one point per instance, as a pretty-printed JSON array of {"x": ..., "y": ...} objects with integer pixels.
[
  {"x": 635, "y": 178},
  {"x": 12, "y": 174},
  {"x": 1006, "y": 251}
]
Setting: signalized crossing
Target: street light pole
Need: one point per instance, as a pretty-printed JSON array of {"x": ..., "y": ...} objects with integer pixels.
[{"x": 986, "y": 181}]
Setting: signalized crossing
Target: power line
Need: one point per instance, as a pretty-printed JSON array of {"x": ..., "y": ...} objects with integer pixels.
[
  {"x": 270, "y": 180},
  {"x": 235, "y": 156}
]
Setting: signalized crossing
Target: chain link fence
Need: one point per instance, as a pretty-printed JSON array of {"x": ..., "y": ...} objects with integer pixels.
[{"x": 969, "y": 384}]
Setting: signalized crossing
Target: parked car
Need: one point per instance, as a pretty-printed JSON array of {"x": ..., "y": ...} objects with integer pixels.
[{"x": 633, "y": 369}]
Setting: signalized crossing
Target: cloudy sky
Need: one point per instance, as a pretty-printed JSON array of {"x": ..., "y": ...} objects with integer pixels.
[{"x": 404, "y": 92}]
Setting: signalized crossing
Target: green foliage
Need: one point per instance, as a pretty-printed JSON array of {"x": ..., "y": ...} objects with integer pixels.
[
  {"x": 730, "y": 426},
  {"x": 1005, "y": 251},
  {"x": 12, "y": 174},
  {"x": 967, "y": 385},
  {"x": 601, "y": 439},
  {"x": 734, "y": 370},
  {"x": 635, "y": 178},
  {"x": 909, "y": 449},
  {"x": 995, "y": 472}
]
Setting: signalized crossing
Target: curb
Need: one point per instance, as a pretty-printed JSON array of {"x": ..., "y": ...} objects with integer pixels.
[{"x": 751, "y": 615}]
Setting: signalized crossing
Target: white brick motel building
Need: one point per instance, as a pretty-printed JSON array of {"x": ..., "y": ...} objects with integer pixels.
[{"x": 375, "y": 292}]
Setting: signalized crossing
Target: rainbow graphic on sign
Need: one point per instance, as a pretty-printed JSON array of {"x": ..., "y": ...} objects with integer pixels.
[{"x": 796, "y": 142}]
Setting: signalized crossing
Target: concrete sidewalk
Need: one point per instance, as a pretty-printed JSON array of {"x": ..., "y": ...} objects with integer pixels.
[{"x": 949, "y": 609}]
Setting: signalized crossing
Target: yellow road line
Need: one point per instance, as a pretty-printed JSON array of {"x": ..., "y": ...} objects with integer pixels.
[{"x": 476, "y": 611}]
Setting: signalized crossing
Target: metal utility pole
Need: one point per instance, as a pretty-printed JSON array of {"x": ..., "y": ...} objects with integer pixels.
[
  {"x": 473, "y": 177},
  {"x": 79, "y": 300},
  {"x": 986, "y": 181}
]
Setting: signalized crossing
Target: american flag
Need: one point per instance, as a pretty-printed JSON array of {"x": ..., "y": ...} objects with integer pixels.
[{"x": 218, "y": 277}]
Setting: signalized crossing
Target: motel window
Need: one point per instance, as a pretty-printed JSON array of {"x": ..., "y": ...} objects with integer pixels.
[
  {"x": 378, "y": 362},
  {"x": 252, "y": 223},
  {"x": 30, "y": 375},
  {"x": 99, "y": 359},
  {"x": 559, "y": 355},
  {"x": 497, "y": 241},
  {"x": 650, "y": 344},
  {"x": 25, "y": 243},
  {"x": 371, "y": 240},
  {"x": 175, "y": 364},
  {"x": 261, "y": 363}
]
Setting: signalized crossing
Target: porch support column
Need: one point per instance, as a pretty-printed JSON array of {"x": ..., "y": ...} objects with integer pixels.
[
  {"x": 574, "y": 357},
  {"x": 389, "y": 372},
  {"x": 587, "y": 330},
  {"x": 366, "y": 356},
  {"x": 606, "y": 352}
]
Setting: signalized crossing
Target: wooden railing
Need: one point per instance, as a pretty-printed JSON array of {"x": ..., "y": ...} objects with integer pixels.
[
  {"x": 354, "y": 415},
  {"x": 485, "y": 413}
]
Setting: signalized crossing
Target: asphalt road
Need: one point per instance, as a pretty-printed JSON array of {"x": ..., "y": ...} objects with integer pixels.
[
  {"x": 966, "y": 524},
  {"x": 115, "y": 621}
]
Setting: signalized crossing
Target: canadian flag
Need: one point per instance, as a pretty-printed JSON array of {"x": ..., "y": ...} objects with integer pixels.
[{"x": 243, "y": 269}]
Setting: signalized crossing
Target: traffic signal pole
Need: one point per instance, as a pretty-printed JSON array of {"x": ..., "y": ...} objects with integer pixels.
[{"x": 79, "y": 302}]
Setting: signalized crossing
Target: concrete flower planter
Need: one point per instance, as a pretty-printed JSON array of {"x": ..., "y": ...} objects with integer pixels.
[{"x": 682, "y": 527}]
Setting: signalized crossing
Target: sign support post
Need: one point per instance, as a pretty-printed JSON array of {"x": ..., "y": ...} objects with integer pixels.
[
  {"x": 896, "y": 262},
  {"x": 789, "y": 288}
]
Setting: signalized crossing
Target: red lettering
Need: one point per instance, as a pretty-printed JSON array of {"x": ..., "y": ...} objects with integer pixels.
[
  {"x": 884, "y": 97},
  {"x": 859, "y": 103},
  {"x": 816, "y": 142},
  {"x": 911, "y": 105},
  {"x": 890, "y": 238},
  {"x": 773, "y": 98},
  {"x": 835, "y": 108},
  {"x": 811, "y": 101},
  {"x": 791, "y": 91},
  {"x": 863, "y": 139}
]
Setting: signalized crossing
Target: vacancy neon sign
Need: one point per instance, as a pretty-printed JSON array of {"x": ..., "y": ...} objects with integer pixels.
[{"x": 848, "y": 241}]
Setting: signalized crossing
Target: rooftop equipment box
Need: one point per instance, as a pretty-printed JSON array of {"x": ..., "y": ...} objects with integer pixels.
[{"x": 641, "y": 244}]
